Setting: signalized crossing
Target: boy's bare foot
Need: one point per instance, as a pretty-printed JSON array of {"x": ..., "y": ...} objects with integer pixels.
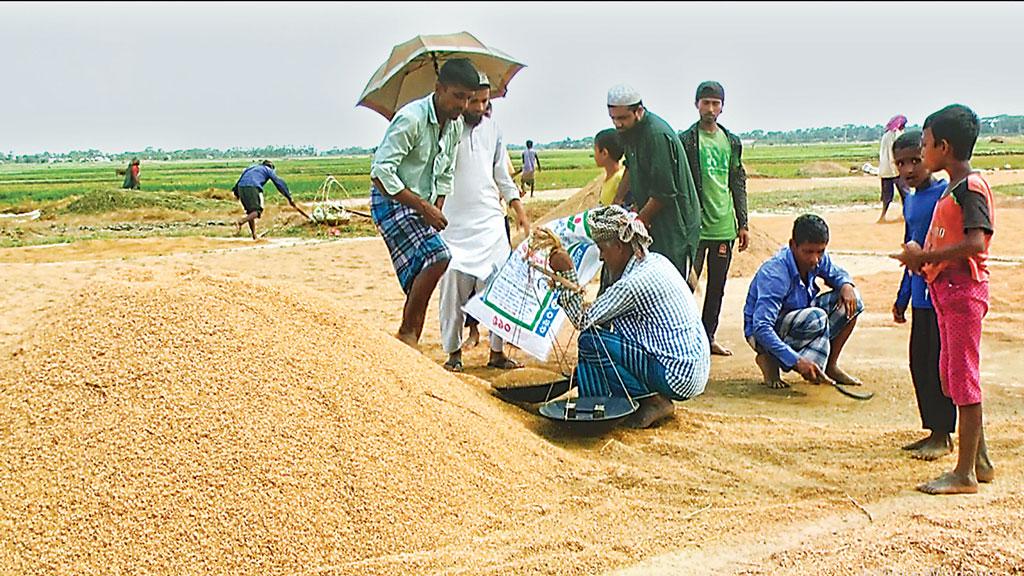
[
  {"x": 841, "y": 377},
  {"x": 916, "y": 444},
  {"x": 770, "y": 370},
  {"x": 719, "y": 350},
  {"x": 950, "y": 483},
  {"x": 935, "y": 447},
  {"x": 984, "y": 471},
  {"x": 652, "y": 409},
  {"x": 474, "y": 337}
]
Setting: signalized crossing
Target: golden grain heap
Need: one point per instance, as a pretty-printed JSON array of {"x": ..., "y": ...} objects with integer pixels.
[{"x": 198, "y": 425}]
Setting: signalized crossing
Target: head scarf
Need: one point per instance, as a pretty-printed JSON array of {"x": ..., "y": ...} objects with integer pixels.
[
  {"x": 616, "y": 223},
  {"x": 897, "y": 122}
]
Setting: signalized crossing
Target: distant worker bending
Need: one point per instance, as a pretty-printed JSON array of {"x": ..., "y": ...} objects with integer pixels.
[{"x": 249, "y": 191}]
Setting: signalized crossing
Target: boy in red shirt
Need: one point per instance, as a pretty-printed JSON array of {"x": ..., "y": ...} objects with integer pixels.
[{"x": 953, "y": 262}]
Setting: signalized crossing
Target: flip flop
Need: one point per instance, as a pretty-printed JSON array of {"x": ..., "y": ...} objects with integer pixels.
[
  {"x": 454, "y": 366},
  {"x": 506, "y": 364},
  {"x": 852, "y": 394}
]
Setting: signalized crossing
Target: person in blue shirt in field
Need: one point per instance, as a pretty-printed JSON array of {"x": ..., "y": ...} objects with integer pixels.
[
  {"x": 785, "y": 319},
  {"x": 938, "y": 413},
  {"x": 249, "y": 191}
]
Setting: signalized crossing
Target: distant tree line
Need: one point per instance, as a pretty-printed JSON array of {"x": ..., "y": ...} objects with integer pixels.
[
  {"x": 1002, "y": 125},
  {"x": 151, "y": 153}
]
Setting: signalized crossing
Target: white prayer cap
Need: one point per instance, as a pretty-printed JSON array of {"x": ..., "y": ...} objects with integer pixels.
[{"x": 623, "y": 95}]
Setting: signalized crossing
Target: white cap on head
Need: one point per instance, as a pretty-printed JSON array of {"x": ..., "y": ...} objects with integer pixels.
[{"x": 623, "y": 95}]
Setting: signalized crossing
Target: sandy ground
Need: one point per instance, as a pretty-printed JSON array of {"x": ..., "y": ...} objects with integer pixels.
[{"x": 744, "y": 480}]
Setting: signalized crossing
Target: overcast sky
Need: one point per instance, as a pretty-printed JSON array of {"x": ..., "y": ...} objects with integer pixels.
[{"x": 125, "y": 76}]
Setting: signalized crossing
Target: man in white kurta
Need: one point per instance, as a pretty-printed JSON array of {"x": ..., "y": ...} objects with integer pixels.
[{"x": 476, "y": 233}]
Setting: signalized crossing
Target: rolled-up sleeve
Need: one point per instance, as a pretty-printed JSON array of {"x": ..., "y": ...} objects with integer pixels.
[
  {"x": 738, "y": 186},
  {"x": 771, "y": 294},
  {"x": 398, "y": 141}
]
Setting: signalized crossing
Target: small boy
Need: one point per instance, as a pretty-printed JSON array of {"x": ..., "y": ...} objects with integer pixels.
[
  {"x": 938, "y": 414},
  {"x": 953, "y": 262},
  {"x": 608, "y": 153}
]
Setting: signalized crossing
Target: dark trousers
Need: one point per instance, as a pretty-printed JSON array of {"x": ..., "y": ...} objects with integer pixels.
[
  {"x": 937, "y": 411},
  {"x": 718, "y": 255}
]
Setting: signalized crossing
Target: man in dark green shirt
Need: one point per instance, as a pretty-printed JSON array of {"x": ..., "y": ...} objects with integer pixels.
[
  {"x": 658, "y": 176},
  {"x": 715, "y": 157}
]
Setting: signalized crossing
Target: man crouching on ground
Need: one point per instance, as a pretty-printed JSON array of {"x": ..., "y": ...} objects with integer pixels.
[
  {"x": 643, "y": 334},
  {"x": 788, "y": 323}
]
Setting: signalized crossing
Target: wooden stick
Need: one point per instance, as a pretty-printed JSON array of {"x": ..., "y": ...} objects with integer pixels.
[
  {"x": 555, "y": 277},
  {"x": 862, "y": 509},
  {"x": 695, "y": 512}
]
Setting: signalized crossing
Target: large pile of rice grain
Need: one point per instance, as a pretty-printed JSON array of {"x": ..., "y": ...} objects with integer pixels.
[{"x": 205, "y": 425}]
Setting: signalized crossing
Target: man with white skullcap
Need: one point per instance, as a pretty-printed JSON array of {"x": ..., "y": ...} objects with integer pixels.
[
  {"x": 475, "y": 234},
  {"x": 658, "y": 176},
  {"x": 643, "y": 334}
]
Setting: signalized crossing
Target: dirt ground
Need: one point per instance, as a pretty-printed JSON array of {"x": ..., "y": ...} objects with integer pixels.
[{"x": 744, "y": 480}]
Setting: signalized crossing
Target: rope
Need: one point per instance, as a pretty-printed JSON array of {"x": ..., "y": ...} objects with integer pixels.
[{"x": 549, "y": 240}]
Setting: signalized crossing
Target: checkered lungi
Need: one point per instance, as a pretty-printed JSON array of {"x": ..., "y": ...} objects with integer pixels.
[
  {"x": 610, "y": 365},
  {"x": 413, "y": 244},
  {"x": 810, "y": 331}
]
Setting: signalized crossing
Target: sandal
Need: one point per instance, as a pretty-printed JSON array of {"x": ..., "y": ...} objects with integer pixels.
[
  {"x": 505, "y": 364},
  {"x": 453, "y": 366}
]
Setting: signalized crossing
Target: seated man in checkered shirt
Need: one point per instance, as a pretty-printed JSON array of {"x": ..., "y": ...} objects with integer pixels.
[{"x": 643, "y": 336}]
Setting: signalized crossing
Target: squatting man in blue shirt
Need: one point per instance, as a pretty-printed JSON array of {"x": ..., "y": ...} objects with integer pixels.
[
  {"x": 788, "y": 323},
  {"x": 249, "y": 191},
  {"x": 643, "y": 334}
]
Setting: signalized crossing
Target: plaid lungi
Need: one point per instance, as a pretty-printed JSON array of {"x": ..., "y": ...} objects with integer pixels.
[
  {"x": 413, "y": 244},
  {"x": 810, "y": 331}
]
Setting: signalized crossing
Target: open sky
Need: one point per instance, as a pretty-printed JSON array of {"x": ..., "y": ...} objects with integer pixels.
[{"x": 129, "y": 75}]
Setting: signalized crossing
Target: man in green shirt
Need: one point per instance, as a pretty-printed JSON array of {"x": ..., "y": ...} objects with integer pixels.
[
  {"x": 412, "y": 172},
  {"x": 715, "y": 154},
  {"x": 658, "y": 176}
]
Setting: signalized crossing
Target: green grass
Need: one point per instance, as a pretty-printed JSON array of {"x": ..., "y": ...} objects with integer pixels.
[
  {"x": 192, "y": 183},
  {"x": 101, "y": 201}
]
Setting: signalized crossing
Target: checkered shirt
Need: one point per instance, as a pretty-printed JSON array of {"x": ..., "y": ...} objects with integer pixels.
[{"x": 651, "y": 306}]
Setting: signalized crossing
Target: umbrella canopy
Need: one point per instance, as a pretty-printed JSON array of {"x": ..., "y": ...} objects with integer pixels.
[{"x": 411, "y": 70}]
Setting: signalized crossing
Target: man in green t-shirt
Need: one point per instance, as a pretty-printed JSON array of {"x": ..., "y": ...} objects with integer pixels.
[
  {"x": 715, "y": 157},
  {"x": 658, "y": 176}
]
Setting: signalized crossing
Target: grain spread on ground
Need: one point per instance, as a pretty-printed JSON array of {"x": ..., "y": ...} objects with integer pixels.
[{"x": 244, "y": 413}]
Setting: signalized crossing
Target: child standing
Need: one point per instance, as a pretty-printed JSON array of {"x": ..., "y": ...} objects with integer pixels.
[
  {"x": 938, "y": 414},
  {"x": 608, "y": 153},
  {"x": 953, "y": 262}
]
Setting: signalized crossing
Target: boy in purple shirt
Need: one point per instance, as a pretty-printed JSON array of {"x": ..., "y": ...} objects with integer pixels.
[{"x": 938, "y": 413}]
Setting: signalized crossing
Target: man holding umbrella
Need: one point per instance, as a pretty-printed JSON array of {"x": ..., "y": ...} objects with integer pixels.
[{"x": 412, "y": 171}]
